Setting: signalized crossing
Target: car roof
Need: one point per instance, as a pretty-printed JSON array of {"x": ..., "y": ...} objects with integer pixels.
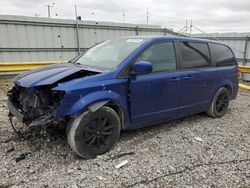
[{"x": 190, "y": 39}]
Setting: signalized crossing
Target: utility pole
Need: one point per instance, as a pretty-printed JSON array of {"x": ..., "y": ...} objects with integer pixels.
[
  {"x": 191, "y": 25},
  {"x": 77, "y": 32},
  {"x": 186, "y": 27},
  {"x": 49, "y": 6},
  {"x": 76, "y": 11},
  {"x": 123, "y": 15},
  {"x": 147, "y": 13},
  {"x": 36, "y": 15}
]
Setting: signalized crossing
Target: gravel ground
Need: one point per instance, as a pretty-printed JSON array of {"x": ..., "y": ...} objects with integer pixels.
[{"x": 166, "y": 155}]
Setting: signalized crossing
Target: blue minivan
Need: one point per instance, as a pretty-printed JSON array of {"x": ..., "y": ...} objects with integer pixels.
[{"x": 121, "y": 84}]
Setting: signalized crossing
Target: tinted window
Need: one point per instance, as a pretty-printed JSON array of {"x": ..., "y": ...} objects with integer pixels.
[
  {"x": 161, "y": 55},
  {"x": 221, "y": 54},
  {"x": 194, "y": 55}
]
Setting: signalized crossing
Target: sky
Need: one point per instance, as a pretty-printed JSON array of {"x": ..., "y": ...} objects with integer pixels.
[{"x": 206, "y": 15}]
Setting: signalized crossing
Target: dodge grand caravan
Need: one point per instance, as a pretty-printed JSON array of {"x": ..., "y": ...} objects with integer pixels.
[{"x": 126, "y": 83}]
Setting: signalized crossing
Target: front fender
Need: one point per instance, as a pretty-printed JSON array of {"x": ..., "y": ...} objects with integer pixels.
[{"x": 84, "y": 102}]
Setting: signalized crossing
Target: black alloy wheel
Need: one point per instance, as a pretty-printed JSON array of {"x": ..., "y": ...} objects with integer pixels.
[
  {"x": 98, "y": 132},
  {"x": 92, "y": 134},
  {"x": 220, "y": 103}
]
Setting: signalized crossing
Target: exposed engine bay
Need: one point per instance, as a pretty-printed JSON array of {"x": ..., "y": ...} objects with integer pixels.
[{"x": 36, "y": 107}]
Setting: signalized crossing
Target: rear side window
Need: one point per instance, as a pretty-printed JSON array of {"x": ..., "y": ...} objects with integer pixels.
[
  {"x": 194, "y": 55},
  {"x": 221, "y": 54},
  {"x": 161, "y": 55}
]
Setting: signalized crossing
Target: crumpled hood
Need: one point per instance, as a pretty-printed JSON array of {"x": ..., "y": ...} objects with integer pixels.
[{"x": 49, "y": 74}]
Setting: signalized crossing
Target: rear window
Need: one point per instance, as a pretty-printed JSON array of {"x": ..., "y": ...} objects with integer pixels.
[
  {"x": 194, "y": 55},
  {"x": 221, "y": 54}
]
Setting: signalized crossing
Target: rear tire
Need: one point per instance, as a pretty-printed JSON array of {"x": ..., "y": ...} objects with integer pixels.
[
  {"x": 92, "y": 134},
  {"x": 220, "y": 103}
]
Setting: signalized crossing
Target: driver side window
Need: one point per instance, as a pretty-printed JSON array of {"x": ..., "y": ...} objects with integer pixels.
[{"x": 161, "y": 55}]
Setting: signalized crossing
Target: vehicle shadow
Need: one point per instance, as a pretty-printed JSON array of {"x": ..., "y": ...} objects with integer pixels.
[{"x": 148, "y": 132}]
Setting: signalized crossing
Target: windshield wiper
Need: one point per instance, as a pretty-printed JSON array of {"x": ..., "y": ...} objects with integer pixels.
[
  {"x": 74, "y": 60},
  {"x": 89, "y": 67}
]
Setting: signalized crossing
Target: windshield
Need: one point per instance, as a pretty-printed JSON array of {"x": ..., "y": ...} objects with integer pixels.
[{"x": 109, "y": 54}]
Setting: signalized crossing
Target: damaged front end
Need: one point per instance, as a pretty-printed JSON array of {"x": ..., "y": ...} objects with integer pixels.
[
  {"x": 35, "y": 102},
  {"x": 35, "y": 108}
]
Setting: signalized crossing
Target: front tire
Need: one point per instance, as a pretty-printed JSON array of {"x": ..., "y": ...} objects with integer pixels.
[
  {"x": 92, "y": 134},
  {"x": 220, "y": 103}
]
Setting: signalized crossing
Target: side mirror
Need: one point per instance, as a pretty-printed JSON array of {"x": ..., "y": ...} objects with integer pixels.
[{"x": 142, "y": 67}]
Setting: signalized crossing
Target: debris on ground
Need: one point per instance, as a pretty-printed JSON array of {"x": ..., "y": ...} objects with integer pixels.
[
  {"x": 22, "y": 156},
  {"x": 120, "y": 155},
  {"x": 100, "y": 177},
  {"x": 10, "y": 150},
  {"x": 121, "y": 164},
  {"x": 199, "y": 139}
]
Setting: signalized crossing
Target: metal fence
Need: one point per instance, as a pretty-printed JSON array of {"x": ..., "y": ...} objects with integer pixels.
[
  {"x": 30, "y": 39},
  {"x": 42, "y": 39}
]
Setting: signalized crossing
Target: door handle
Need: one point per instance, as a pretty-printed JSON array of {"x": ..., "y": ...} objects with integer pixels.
[
  {"x": 174, "y": 79},
  {"x": 188, "y": 77}
]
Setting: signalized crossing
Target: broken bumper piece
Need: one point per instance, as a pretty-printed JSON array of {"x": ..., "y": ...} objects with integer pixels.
[
  {"x": 14, "y": 111},
  {"x": 32, "y": 127},
  {"x": 35, "y": 109}
]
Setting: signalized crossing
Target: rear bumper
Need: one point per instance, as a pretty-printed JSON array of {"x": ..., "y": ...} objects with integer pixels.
[
  {"x": 14, "y": 111},
  {"x": 235, "y": 91}
]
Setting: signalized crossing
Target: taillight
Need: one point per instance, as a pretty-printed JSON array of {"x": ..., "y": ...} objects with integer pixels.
[{"x": 239, "y": 73}]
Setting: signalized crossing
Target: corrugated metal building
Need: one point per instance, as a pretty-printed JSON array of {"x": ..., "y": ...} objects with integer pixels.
[
  {"x": 25, "y": 39},
  {"x": 43, "y": 39}
]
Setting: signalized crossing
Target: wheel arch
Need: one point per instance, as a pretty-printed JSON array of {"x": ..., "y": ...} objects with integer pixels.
[
  {"x": 229, "y": 88},
  {"x": 96, "y": 100},
  {"x": 111, "y": 104},
  {"x": 227, "y": 84},
  {"x": 118, "y": 109}
]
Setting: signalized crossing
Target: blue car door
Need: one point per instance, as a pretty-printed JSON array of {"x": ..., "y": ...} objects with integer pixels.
[
  {"x": 154, "y": 97},
  {"x": 196, "y": 78}
]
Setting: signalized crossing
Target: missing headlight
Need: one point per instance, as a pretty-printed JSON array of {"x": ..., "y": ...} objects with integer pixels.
[{"x": 37, "y": 105}]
